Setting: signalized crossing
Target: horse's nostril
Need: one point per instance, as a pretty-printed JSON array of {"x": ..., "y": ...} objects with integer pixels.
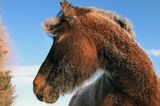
[
  {"x": 40, "y": 97},
  {"x": 39, "y": 83}
]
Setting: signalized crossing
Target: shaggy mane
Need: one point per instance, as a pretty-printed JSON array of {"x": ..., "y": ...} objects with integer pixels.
[{"x": 122, "y": 22}]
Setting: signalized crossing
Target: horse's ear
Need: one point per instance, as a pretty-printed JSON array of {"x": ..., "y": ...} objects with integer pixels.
[{"x": 67, "y": 8}]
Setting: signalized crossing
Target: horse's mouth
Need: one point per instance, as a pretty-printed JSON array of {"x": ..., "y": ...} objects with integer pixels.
[
  {"x": 48, "y": 95},
  {"x": 54, "y": 26}
]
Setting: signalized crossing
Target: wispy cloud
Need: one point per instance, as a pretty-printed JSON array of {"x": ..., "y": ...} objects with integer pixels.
[
  {"x": 154, "y": 52},
  {"x": 24, "y": 74}
]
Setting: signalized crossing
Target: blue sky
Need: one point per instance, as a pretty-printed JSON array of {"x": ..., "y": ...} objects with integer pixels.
[{"x": 31, "y": 44}]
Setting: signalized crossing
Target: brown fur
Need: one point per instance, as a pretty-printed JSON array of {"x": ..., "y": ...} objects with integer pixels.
[{"x": 88, "y": 39}]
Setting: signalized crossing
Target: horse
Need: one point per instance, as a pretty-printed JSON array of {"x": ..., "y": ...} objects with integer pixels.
[{"x": 88, "y": 39}]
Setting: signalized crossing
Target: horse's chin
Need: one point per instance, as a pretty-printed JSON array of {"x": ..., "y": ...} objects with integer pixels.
[{"x": 50, "y": 95}]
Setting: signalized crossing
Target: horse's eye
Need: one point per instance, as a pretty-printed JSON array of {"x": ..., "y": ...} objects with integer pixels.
[{"x": 62, "y": 20}]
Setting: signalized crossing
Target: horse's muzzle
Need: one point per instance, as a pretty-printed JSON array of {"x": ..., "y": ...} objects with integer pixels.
[{"x": 43, "y": 91}]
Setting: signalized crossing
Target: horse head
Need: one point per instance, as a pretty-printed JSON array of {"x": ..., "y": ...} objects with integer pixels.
[
  {"x": 77, "y": 50},
  {"x": 71, "y": 58}
]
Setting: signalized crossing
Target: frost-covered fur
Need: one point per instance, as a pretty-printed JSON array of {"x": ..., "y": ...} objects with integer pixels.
[
  {"x": 89, "y": 39},
  {"x": 123, "y": 23}
]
